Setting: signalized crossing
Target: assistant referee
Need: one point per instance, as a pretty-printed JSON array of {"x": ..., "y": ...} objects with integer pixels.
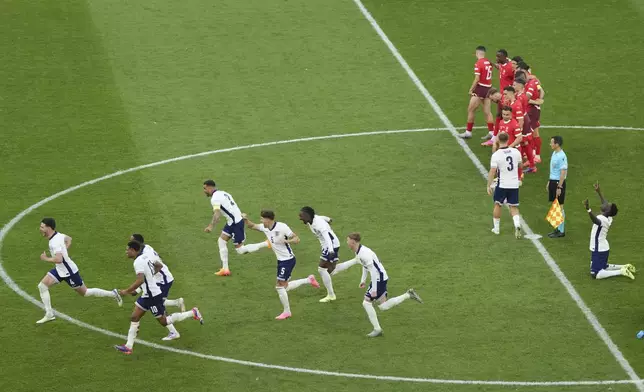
[{"x": 557, "y": 184}]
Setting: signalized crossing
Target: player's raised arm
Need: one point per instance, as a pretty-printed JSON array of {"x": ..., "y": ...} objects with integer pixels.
[
  {"x": 68, "y": 241},
  {"x": 592, "y": 216},
  {"x": 140, "y": 278},
  {"x": 599, "y": 193}
]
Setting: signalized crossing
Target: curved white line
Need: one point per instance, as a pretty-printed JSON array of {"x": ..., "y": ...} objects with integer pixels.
[{"x": 13, "y": 286}]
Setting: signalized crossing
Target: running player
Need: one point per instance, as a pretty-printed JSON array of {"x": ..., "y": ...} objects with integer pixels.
[
  {"x": 145, "y": 267},
  {"x": 478, "y": 93},
  {"x": 281, "y": 237},
  {"x": 506, "y": 162},
  {"x": 599, "y": 248},
  {"x": 65, "y": 270},
  {"x": 320, "y": 226},
  {"x": 377, "y": 290},
  {"x": 223, "y": 202}
]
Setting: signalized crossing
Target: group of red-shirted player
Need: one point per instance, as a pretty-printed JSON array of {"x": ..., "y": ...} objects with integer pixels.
[{"x": 519, "y": 104}]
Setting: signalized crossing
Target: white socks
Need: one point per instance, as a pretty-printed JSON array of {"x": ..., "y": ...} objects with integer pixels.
[
  {"x": 172, "y": 329},
  {"x": 250, "y": 248},
  {"x": 605, "y": 273},
  {"x": 223, "y": 252},
  {"x": 343, "y": 266},
  {"x": 517, "y": 221},
  {"x": 98, "y": 293},
  {"x": 497, "y": 224},
  {"x": 391, "y": 302},
  {"x": 292, "y": 285},
  {"x": 131, "y": 334},
  {"x": 281, "y": 292},
  {"x": 171, "y": 302},
  {"x": 326, "y": 279},
  {"x": 178, "y": 317},
  {"x": 371, "y": 313},
  {"x": 613, "y": 267},
  {"x": 46, "y": 298}
]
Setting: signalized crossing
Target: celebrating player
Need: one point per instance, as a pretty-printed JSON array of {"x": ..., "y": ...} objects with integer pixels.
[
  {"x": 479, "y": 93},
  {"x": 377, "y": 290},
  {"x": 280, "y": 237},
  {"x": 506, "y": 162},
  {"x": 145, "y": 267},
  {"x": 164, "y": 279},
  {"x": 599, "y": 248},
  {"x": 65, "y": 270},
  {"x": 223, "y": 202},
  {"x": 320, "y": 226}
]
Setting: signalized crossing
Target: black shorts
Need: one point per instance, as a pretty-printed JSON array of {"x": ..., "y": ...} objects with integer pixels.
[{"x": 552, "y": 191}]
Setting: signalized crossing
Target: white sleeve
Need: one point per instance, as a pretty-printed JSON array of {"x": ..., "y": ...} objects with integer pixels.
[
  {"x": 216, "y": 204},
  {"x": 57, "y": 248},
  {"x": 139, "y": 265},
  {"x": 287, "y": 231},
  {"x": 326, "y": 218},
  {"x": 493, "y": 163}
]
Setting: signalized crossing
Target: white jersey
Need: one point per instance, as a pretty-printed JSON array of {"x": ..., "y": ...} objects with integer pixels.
[
  {"x": 321, "y": 228},
  {"x": 164, "y": 276},
  {"x": 598, "y": 234},
  {"x": 223, "y": 201},
  {"x": 57, "y": 245},
  {"x": 144, "y": 264},
  {"x": 507, "y": 161},
  {"x": 277, "y": 235},
  {"x": 368, "y": 258}
]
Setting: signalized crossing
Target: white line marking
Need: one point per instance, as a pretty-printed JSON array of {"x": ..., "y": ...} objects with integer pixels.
[
  {"x": 590, "y": 316},
  {"x": 12, "y": 285}
]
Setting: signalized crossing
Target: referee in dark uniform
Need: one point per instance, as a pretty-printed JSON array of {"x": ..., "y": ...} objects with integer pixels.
[{"x": 557, "y": 183}]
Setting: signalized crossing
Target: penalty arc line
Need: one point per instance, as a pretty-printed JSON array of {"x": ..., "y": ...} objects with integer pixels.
[
  {"x": 590, "y": 316},
  {"x": 12, "y": 285}
]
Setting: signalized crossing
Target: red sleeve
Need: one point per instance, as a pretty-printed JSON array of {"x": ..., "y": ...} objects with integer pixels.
[{"x": 477, "y": 68}]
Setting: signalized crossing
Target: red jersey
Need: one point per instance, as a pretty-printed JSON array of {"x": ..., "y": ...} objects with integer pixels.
[
  {"x": 523, "y": 98},
  {"x": 506, "y": 75},
  {"x": 483, "y": 68},
  {"x": 517, "y": 110},
  {"x": 511, "y": 128},
  {"x": 533, "y": 87}
]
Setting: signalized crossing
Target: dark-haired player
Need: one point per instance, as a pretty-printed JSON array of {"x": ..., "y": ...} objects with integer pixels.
[
  {"x": 506, "y": 77},
  {"x": 223, "y": 203},
  {"x": 151, "y": 299},
  {"x": 65, "y": 270},
  {"x": 526, "y": 143},
  {"x": 535, "y": 95},
  {"x": 599, "y": 248},
  {"x": 478, "y": 93},
  {"x": 320, "y": 226},
  {"x": 281, "y": 237},
  {"x": 377, "y": 290},
  {"x": 511, "y": 127}
]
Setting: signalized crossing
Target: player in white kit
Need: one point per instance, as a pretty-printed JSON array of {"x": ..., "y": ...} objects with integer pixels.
[
  {"x": 164, "y": 279},
  {"x": 506, "y": 162},
  {"x": 320, "y": 226},
  {"x": 599, "y": 248},
  {"x": 145, "y": 267},
  {"x": 377, "y": 290},
  {"x": 223, "y": 203},
  {"x": 281, "y": 237},
  {"x": 65, "y": 270}
]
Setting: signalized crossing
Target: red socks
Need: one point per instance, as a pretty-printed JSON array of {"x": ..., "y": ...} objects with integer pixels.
[{"x": 470, "y": 126}]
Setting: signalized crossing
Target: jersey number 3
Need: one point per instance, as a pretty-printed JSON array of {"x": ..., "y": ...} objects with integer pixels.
[{"x": 510, "y": 163}]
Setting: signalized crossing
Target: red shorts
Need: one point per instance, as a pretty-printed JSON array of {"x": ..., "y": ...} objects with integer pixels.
[
  {"x": 535, "y": 115},
  {"x": 480, "y": 91}
]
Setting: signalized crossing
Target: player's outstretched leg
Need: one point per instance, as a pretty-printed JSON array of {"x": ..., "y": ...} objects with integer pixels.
[
  {"x": 395, "y": 301},
  {"x": 43, "y": 287},
  {"x": 114, "y": 294},
  {"x": 250, "y": 248},
  {"x": 176, "y": 302},
  {"x": 344, "y": 266},
  {"x": 373, "y": 318},
  {"x": 178, "y": 317},
  {"x": 223, "y": 254},
  {"x": 606, "y": 273},
  {"x": 292, "y": 285}
]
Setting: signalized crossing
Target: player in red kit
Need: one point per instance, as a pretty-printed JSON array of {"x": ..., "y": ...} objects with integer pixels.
[
  {"x": 506, "y": 77},
  {"x": 527, "y": 147},
  {"x": 510, "y": 126},
  {"x": 495, "y": 96},
  {"x": 534, "y": 93},
  {"x": 479, "y": 92}
]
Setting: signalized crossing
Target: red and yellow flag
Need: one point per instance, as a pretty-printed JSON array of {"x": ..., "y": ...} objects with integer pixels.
[{"x": 555, "y": 215}]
